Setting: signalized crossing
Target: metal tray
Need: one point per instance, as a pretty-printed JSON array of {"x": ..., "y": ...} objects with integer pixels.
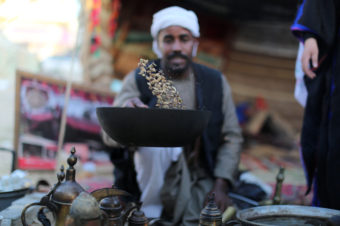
[{"x": 286, "y": 215}]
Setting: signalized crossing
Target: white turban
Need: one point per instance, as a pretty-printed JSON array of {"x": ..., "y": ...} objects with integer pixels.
[{"x": 174, "y": 16}]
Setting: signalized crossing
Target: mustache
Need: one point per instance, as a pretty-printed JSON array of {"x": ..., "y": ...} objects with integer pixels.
[{"x": 176, "y": 54}]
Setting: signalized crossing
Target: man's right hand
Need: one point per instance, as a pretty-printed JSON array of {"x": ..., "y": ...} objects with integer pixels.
[
  {"x": 134, "y": 103},
  {"x": 310, "y": 53}
]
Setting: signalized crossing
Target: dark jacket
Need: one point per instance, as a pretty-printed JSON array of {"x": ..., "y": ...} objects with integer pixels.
[{"x": 320, "y": 137}]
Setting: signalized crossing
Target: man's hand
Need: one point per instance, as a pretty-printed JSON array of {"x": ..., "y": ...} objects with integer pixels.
[
  {"x": 134, "y": 103},
  {"x": 221, "y": 189},
  {"x": 310, "y": 53}
]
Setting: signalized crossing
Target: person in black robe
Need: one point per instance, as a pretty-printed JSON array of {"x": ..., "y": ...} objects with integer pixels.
[{"x": 317, "y": 26}]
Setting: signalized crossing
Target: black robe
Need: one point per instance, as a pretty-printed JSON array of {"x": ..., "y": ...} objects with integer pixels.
[{"x": 320, "y": 138}]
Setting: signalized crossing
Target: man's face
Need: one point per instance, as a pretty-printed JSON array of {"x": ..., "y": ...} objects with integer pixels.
[{"x": 176, "y": 44}]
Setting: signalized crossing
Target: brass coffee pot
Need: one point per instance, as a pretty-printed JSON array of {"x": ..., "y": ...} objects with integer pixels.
[{"x": 71, "y": 204}]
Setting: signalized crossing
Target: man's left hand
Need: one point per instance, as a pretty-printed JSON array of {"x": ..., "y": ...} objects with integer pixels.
[{"x": 221, "y": 189}]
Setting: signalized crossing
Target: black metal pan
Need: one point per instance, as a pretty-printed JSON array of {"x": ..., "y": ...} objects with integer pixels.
[{"x": 152, "y": 126}]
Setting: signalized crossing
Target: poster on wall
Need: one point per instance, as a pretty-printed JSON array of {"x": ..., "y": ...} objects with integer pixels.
[{"x": 40, "y": 101}]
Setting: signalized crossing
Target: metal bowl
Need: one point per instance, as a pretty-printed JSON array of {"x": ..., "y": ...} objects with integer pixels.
[
  {"x": 7, "y": 197},
  {"x": 152, "y": 126},
  {"x": 286, "y": 215}
]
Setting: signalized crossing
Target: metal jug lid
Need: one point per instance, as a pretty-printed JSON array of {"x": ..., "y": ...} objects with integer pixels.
[
  {"x": 211, "y": 213},
  {"x": 138, "y": 218},
  {"x": 111, "y": 205},
  {"x": 67, "y": 191}
]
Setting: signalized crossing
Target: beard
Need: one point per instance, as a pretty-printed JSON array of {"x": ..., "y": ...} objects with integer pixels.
[{"x": 174, "y": 69}]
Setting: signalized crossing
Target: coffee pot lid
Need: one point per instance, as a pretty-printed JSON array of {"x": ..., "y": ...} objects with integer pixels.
[
  {"x": 111, "y": 204},
  {"x": 67, "y": 191},
  {"x": 210, "y": 211},
  {"x": 138, "y": 218}
]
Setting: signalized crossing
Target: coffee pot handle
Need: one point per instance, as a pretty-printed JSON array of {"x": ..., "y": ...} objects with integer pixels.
[{"x": 40, "y": 215}]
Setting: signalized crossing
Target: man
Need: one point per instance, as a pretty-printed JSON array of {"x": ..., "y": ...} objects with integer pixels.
[
  {"x": 181, "y": 178},
  {"x": 317, "y": 26}
]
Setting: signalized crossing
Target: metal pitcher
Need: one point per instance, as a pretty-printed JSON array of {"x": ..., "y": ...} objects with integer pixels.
[{"x": 60, "y": 198}]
